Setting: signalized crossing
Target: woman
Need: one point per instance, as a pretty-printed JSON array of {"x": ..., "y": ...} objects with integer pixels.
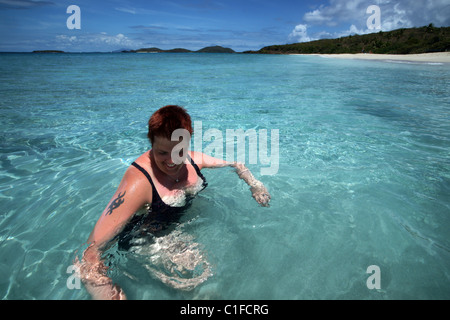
[{"x": 155, "y": 182}]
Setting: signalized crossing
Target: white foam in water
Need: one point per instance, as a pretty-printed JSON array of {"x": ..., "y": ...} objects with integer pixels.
[
  {"x": 414, "y": 62},
  {"x": 352, "y": 190},
  {"x": 176, "y": 260},
  {"x": 178, "y": 199}
]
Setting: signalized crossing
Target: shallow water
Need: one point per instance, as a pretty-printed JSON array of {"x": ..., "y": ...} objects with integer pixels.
[{"x": 363, "y": 176}]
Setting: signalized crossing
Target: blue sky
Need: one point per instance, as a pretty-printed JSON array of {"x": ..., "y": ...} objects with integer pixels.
[{"x": 27, "y": 25}]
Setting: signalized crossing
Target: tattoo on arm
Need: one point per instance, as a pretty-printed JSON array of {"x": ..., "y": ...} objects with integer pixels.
[{"x": 116, "y": 203}]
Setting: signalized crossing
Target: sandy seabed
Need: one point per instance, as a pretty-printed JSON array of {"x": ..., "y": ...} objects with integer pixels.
[{"x": 436, "y": 57}]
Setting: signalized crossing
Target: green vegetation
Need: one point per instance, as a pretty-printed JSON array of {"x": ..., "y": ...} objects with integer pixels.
[
  {"x": 216, "y": 49},
  {"x": 401, "y": 41}
]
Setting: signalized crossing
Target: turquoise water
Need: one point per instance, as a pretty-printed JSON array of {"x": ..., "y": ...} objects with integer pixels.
[{"x": 363, "y": 177}]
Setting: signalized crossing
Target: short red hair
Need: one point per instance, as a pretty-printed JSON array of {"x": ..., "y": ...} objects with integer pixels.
[{"x": 166, "y": 120}]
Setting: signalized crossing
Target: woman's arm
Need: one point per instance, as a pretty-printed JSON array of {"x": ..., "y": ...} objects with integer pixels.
[
  {"x": 131, "y": 195},
  {"x": 93, "y": 273},
  {"x": 259, "y": 191}
]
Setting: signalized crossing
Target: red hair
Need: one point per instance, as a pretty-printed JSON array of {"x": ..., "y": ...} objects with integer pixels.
[{"x": 166, "y": 120}]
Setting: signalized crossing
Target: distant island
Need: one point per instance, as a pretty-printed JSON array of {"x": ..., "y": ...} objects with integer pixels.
[
  {"x": 425, "y": 39},
  {"x": 401, "y": 41},
  {"x": 48, "y": 51},
  {"x": 213, "y": 49}
]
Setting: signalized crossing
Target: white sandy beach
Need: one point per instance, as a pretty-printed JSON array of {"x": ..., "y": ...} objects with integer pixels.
[{"x": 438, "y": 57}]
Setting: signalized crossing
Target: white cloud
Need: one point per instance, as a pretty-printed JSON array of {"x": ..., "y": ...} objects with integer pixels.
[
  {"x": 352, "y": 31},
  {"x": 336, "y": 12},
  {"x": 67, "y": 39},
  {"x": 127, "y": 10},
  {"x": 95, "y": 41},
  {"x": 395, "y": 18},
  {"x": 341, "y": 18},
  {"x": 394, "y": 15},
  {"x": 320, "y": 16},
  {"x": 300, "y": 34}
]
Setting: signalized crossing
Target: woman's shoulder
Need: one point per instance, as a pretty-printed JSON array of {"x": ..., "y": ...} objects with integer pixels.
[
  {"x": 137, "y": 170},
  {"x": 135, "y": 178},
  {"x": 198, "y": 158}
]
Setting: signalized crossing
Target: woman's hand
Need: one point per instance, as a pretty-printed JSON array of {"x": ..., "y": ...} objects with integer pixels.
[
  {"x": 93, "y": 273},
  {"x": 260, "y": 194},
  {"x": 259, "y": 191}
]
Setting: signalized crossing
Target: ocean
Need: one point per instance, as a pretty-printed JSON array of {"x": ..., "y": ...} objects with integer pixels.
[{"x": 360, "y": 184}]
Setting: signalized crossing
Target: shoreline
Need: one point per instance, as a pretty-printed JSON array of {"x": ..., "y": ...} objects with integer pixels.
[{"x": 435, "y": 57}]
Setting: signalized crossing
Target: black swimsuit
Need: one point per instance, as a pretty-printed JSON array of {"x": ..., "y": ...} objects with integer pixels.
[
  {"x": 158, "y": 205},
  {"x": 159, "y": 215}
]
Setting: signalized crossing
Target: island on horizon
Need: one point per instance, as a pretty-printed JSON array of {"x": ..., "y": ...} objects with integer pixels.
[
  {"x": 212, "y": 49},
  {"x": 425, "y": 39},
  {"x": 404, "y": 41},
  {"x": 48, "y": 51}
]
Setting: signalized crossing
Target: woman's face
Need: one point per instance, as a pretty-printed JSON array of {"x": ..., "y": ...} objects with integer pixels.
[{"x": 162, "y": 153}]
